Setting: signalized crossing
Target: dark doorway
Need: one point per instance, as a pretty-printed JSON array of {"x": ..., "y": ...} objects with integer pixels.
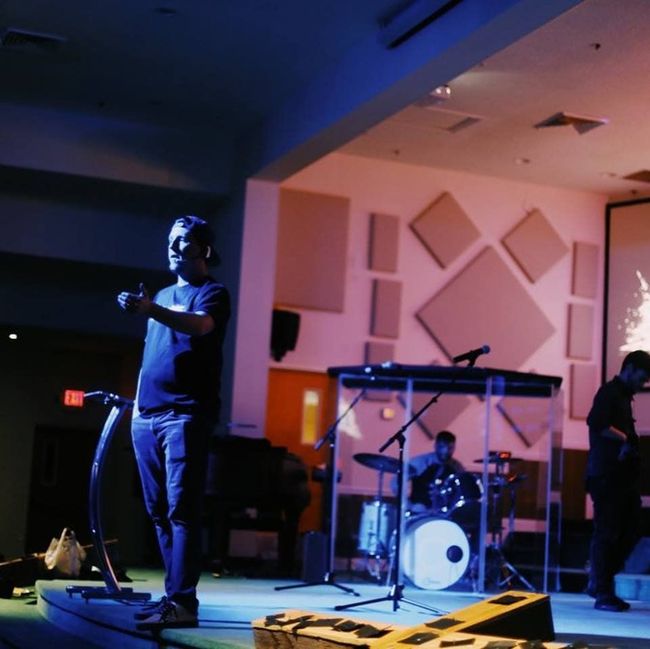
[{"x": 58, "y": 496}]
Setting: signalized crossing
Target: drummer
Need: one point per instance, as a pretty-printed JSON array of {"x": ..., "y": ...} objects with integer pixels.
[{"x": 429, "y": 470}]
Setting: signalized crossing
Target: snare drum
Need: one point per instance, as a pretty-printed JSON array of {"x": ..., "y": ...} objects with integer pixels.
[
  {"x": 375, "y": 527},
  {"x": 435, "y": 552}
]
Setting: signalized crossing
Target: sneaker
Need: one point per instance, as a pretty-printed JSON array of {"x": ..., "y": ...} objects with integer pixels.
[
  {"x": 149, "y": 609},
  {"x": 170, "y": 616},
  {"x": 626, "y": 605},
  {"x": 611, "y": 603}
]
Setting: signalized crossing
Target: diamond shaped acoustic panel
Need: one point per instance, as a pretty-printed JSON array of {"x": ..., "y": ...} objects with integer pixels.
[
  {"x": 445, "y": 230},
  {"x": 441, "y": 414},
  {"x": 486, "y": 304},
  {"x": 535, "y": 245},
  {"x": 528, "y": 416}
]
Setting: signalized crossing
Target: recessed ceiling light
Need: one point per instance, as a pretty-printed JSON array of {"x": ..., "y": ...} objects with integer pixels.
[
  {"x": 13, "y": 336},
  {"x": 441, "y": 92}
]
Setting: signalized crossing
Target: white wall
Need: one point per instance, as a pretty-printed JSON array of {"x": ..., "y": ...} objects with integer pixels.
[{"x": 495, "y": 206}]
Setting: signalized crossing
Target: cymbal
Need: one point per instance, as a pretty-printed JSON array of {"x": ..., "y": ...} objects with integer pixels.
[
  {"x": 377, "y": 462},
  {"x": 495, "y": 459}
]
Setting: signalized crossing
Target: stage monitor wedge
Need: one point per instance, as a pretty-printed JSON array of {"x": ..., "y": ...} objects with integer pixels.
[{"x": 513, "y": 614}]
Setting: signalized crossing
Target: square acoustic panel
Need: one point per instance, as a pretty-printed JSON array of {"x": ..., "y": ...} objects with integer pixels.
[
  {"x": 386, "y": 308},
  {"x": 585, "y": 269},
  {"x": 311, "y": 250},
  {"x": 376, "y": 354},
  {"x": 584, "y": 383},
  {"x": 384, "y": 242},
  {"x": 486, "y": 304},
  {"x": 580, "y": 336},
  {"x": 445, "y": 229},
  {"x": 535, "y": 245}
]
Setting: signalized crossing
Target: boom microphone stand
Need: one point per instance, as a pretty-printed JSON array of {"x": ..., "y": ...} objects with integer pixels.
[
  {"x": 395, "y": 594},
  {"x": 330, "y": 523}
]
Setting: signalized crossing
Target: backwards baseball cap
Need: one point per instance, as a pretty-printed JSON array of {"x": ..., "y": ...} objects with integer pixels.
[{"x": 203, "y": 234}]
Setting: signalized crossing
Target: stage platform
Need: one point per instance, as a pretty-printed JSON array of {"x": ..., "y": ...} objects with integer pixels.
[{"x": 228, "y": 605}]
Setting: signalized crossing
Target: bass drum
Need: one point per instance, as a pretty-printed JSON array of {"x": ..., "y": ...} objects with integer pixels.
[{"x": 435, "y": 552}]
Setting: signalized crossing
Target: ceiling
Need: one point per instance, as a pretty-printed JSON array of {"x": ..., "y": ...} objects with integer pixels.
[
  {"x": 187, "y": 63},
  {"x": 222, "y": 65},
  {"x": 593, "y": 60}
]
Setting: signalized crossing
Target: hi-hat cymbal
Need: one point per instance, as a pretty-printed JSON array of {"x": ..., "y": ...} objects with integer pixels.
[
  {"x": 513, "y": 479},
  {"x": 377, "y": 462}
]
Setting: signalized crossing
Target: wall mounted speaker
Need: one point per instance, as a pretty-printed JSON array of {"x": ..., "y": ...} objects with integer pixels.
[{"x": 285, "y": 326}]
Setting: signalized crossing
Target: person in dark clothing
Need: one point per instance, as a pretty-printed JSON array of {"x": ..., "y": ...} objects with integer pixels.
[
  {"x": 613, "y": 469},
  {"x": 176, "y": 408},
  {"x": 429, "y": 470}
]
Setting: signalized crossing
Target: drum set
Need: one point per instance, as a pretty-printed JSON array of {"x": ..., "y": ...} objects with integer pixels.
[{"x": 442, "y": 528}]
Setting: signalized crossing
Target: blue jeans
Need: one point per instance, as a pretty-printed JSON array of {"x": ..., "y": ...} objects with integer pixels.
[{"x": 171, "y": 451}]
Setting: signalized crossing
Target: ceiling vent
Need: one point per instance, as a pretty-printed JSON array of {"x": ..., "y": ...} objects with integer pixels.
[
  {"x": 580, "y": 123},
  {"x": 22, "y": 40},
  {"x": 640, "y": 176},
  {"x": 446, "y": 120}
]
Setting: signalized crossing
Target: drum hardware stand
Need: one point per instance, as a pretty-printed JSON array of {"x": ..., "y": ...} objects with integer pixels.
[
  {"x": 395, "y": 593},
  {"x": 330, "y": 436},
  {"x": 379, "y": 543},
  {"x": 112, "y": 590},
  {"x": 506, "y": 569}
]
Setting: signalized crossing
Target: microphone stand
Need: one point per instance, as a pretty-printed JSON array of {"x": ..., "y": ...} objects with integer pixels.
[
  {"x": 331, "y": 511},
  {"x": 396, "y": 591},
  {"x": 112, "y": 589}
]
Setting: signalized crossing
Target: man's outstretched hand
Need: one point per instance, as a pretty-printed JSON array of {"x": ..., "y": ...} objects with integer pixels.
[{"x": 139, "y": 303}]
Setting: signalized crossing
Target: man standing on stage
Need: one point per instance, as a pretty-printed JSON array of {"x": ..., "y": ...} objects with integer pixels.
[
  {"x": 613, "y": 469},
  {"x": 176, "y": 407}
]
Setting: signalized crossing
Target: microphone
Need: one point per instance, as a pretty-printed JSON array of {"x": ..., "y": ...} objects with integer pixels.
[{"x": 471, "y": 355}]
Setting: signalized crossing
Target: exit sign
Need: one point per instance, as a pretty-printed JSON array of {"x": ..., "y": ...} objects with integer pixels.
[{"x": 73, "y": 398}]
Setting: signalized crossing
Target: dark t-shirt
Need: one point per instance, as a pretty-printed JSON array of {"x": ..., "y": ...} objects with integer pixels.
[
  {"x": 182, "y": 372},
  {"x": 612, "y": 406}
]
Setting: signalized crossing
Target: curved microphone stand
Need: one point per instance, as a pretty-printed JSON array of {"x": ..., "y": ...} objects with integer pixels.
[{"x": 112, "y": 590}]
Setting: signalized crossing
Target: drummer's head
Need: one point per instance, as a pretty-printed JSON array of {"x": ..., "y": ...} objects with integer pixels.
[{"x": 445, "y": 445}]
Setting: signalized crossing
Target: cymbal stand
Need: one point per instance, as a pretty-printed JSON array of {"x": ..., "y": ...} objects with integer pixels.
[
  {"x": 331, "y": 437},
  {"x": 396, "y": 591}
]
